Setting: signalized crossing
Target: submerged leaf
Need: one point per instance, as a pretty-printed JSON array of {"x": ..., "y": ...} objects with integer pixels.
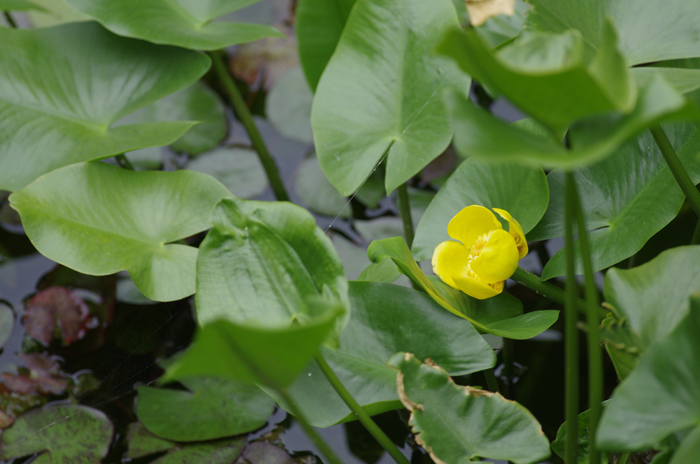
[{"x": 57, "y": 308}]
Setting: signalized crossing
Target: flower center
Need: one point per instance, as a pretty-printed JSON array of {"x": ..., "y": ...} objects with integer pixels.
[{"x": 480, "y": 244}]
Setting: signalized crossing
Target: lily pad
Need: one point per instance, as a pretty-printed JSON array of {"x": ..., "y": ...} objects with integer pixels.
[
  {"x": 71, "y": 217},
  {"x": 388, "y": 83},
  {"x": 218, "y": 452},
  {"x": 57, "y": 309},
  {"x": 488, "y": 425},
  {"x": 212, "y": 408},
  {"x": 288, "y": 106},
  {"x": 59, "y": 115},
  {"x": 60, "y": 433},
  {"x": 142, "y": 442},
  {"x": 486, "y": 184},
  {"x": 385, "y": 319},
  {"x": 185, "y": 23},
  {"x": 239, "y": 169}
]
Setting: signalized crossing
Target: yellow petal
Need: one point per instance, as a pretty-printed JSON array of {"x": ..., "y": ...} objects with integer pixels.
[
  {"x": 498, "y": 259},
  {"x": 472, "y": 222},
  {"x": 449, "y": 259},
  {"x": 476, "y": 289},
  {"x": 515, "y": 230}
]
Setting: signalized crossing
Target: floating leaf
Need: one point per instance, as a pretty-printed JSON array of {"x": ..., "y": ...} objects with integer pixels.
[
  {"x": 260, "y": 452},
  {"x": 388, "y": 84},
  {"x": 212, "y": 408},
  {"x": 142, "y": 442},
  {"x": 71, "y": 217},
  {"x": 185, "y": 23},
  {"x": 499, "y": 320},
  {"x": 288, "y": 106},
  {"x": 385, "y": 319},
  {"x": 44, "y": 376},
  {"x": 218, "y": 452},
  {"x": 239, "y": 169},
  {"x": 57, "y": 308},
  {"x": 59, "y": 115},
  {"x": 67, "y": 433},
  {"x": 522, "y": 191},
  {"x": 487, "y": 424}
]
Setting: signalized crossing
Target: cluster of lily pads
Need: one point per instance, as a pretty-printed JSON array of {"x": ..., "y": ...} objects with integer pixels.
[{"x": 607, "y": 155}]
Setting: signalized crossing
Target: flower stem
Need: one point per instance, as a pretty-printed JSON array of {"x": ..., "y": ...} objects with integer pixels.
[
  {"x": 570, "y": 330},
  {"x": 676, "y": 167},
  {"x": 696, "y": 234},
  {"x": 10, "y": 20},
  {"x": 310, "y": 431},
  {"x": 362, "y": 416},
  {"x": 405, "y": 210},
  {"x": 595, "y": 352},
  {"x": 124, "y": 162},
  {"x": 246, "y": 118}
]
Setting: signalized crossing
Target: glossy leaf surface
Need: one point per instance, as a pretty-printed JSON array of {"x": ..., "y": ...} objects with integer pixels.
[
  {"x": 522, "y": 191},
  {"x": 487, "y": 424},
  {"x": 212, "y": 408},
  {"x": 386, "y": 319},
  {"x": 185, "y": 23},
  {"x": 381, "y": 92},
  {"x": 660, "y": 396},
  {"x": 626, "y": 198},
  {"x": 73, "y": 218},
  {"x": 505, "y": 318},
  {"x": 54, "y": 115},
  {"x": 61, "y": 433}
]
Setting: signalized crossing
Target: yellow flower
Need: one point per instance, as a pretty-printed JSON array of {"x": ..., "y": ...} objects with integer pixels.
[{"x": 485, "y": 255}]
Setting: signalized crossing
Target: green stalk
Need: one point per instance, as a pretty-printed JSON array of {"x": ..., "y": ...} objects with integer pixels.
[
  {"x": 491, "y": 381},
  {"x": 310, "y": 431},
  {"x": 676, "y": 167},
  {"x": 623, "y": 458},
  {"x": 362, "y": 416},
  {"x": 595, "y": 352},
  {"x": 246, "y": 118},
  {"x": 10, "y": 19},
  {"x": 124, "y": 162},
  {"x": 696, "y": 235},
  {"x": 405, "y": 209},
  {"x": 570, "y": 331}
]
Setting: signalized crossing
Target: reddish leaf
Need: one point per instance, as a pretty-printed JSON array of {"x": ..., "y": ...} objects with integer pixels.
[
  {"x": 44, "y": 376},
  {"x": 57, "y": 307}
]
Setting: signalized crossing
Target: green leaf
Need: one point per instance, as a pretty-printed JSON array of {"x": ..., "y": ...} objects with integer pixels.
[
  {"x": 54, "y": 12},
  {"x": 185, "y": 23},
  {"x": 385, "y": 319},
  {"x": 18, "y": 5},
  {"x": 388, "y": 84},
  {"x": 502, "y": 28},
  {"x": 288, "y": 106},
  {"x": 458, "y": 424},
  {"x": 239, "y": 169},
  {"x": 482, "y": 135},
  {"x": 61, "y": 433},
  {"x": 628, "y": 197},
  {"x": 7, "y": 322},
  {"x": 218, "y": 452},
  {"x": 73, "y": 217},
  {"x": 683, "y": 80},
  {"x": 195, "y": 103},
  {"x": 653, "y": 298},
  {"x": 319, "y": 24},
  {"x": 520, "y": 190},
  {"x": 58, "y": 115},
  {"x": 212, "y": 408},
  {"x": 249, "y": 352},
  {"x": 660, "y": 396},
  {"x": 545, "y": 74},
  {"x": 266, "y": 263},
  {"x": 649, "y": 30},
  {"x": 583, "y": 441},
  {"x": 317, "y": 193},
  {"x": 495, "y": 315},
  {"x": 142, "y": 442}
]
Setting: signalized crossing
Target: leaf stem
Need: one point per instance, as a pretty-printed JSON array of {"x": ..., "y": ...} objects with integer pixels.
[
  {"x": 570, "y": 331},
  {"x": 362, "y": 416},
  {"x": 246, "y": 118},
  {"x": 676, "y": 167},
  {"x": 623, "y": 458},
  {"x": 491, "y": 381},
  {"x": 405, "y": 210},
  {"x": 696, "y": 234},
  {"x": 124, "y": 162},
  {"x": 595, "y": 352},
  {"x": 310, "y": 431},
  {"x": 10, "y": 20}
]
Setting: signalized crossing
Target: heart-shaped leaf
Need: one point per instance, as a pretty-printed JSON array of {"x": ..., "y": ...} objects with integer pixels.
[
  {"x": 58, "y": 115},
  {"x": 522, "y": 191},
  {"x": 212, "y": 408},
  {"x": 498, "y": 321},
  {"x": 488, "y": 425},
  {"x": 628, "y": 197},
  {"x": 385, "y": 319},
  {"x": 388, "y": 83},
  {"x": 660, "y": 396},
  {"x": 66, "y": 433},
  {"x": 72, "y": 217},
  {"x": 185, "y": 23}
]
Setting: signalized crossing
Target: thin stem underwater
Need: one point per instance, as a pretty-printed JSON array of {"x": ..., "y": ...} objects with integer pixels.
[
  {"x": 10, "y": 20},
  {"x": 405, "y": 210},
  {"x": 362, "y": 416},
  {"x": 246, "y": 118}
]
